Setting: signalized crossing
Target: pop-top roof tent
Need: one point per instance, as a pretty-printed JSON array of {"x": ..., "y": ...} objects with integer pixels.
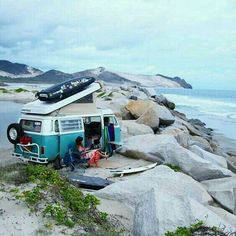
[{"x": 44, "y": 108}]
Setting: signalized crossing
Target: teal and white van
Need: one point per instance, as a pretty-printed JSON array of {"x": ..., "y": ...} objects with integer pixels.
[{"x": 45, "y": 130}]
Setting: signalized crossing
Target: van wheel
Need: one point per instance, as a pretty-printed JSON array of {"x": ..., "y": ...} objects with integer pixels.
[
  {"x": 57, "y": 163},
  {"x": 14, "y": 133}
]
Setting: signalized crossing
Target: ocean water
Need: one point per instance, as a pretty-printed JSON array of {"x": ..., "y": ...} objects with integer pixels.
[
  {"x": 217, "y": 108},
  {"x": 9, "y": 113}
]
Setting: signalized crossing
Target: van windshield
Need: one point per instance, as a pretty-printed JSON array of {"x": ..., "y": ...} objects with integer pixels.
[{"x": 31, "y": 125}]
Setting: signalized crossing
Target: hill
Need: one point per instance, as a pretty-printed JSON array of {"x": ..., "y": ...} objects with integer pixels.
[{"x": 15, "y": 72}]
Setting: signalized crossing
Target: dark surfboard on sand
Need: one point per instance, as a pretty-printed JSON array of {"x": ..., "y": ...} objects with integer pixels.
[{"x": 90, "y": 182}]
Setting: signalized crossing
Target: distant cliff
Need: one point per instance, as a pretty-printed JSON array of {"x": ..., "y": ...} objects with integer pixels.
[
  {"x": 16, "y": 72},
  {"x": 178, "y": 80}
]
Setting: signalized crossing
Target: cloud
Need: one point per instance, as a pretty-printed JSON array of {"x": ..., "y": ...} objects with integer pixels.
[{"x": 193, "y": 39}]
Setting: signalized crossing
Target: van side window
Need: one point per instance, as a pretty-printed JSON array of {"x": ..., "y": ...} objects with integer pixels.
[
  {"x": 31, "y": 125},
  {"x": 71, "y": 125},
  {"x": 56, "y": 125}
]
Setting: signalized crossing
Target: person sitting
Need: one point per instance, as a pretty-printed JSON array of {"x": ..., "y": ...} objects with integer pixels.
[
  {"x": 78, "y": 154},
  {"x": 80, "y": 148},
  {"x": 95, "y": 155}
]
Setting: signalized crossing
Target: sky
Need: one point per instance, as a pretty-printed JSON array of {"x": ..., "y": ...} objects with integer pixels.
[{"x": 195, "y": 40}]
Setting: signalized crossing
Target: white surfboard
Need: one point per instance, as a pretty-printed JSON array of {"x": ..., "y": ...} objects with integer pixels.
[{"x": 133, "y": 170}]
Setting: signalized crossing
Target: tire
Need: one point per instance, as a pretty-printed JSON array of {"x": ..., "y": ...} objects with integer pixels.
[
  {"x": 57, "y": 163},
  {"x": 14, "y": 133}
]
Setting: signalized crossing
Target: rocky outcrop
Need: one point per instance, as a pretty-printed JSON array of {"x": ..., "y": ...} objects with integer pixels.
[
  {"x": 223, "y": 191},
  {"x": 132, "y": 128},
  {"x": 161, "y": 178},
  {"x": 154, "y": 215},
  {"x": 165, "y": 149},
  {"x": 155, "y": 193}
]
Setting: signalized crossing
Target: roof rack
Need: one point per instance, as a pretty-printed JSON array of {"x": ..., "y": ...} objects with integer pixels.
[{"x": 44, "y": 108}]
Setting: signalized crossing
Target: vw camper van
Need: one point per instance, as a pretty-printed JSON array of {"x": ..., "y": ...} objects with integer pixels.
[{"x": 45, "y": 130}]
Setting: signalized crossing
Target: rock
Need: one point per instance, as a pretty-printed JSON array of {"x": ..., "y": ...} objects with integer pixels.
[
  {"x": 117, "y": 106},
  {"x": 192, "y": 130},
  {"x": 161, "y": 178},
  {"x": 196, "y": 122},
  {"x": 141, "y": 147},
  {"x": 148, "y": 93},
  {"x": 162, "y": 100},
  {"x": 193, "y": 165},
  {"x": 139, "y": 94},
  {"x": 180, "y": 115},
  {"x": 126, "y": 88},
  {"x": 166, "y": 118},
  {"x": 164, "y": 148},
  {"x": 155, "y": 193},
  {"x": 230, "y": 218},
  {"x": 154, "y": 214},
  {"x": 203, "y": 129},
  {"x": 131, "y": 128},
  {"x": 180, "y": 134},
  {"x": 223, "y": 191},
  {"x": 170, "y": 105},
  {"x": 200, "y": 142},
  {"x": 150, "y": 118},
  {"x": 139, "y": 108},
  {"x": 132, "y": 97},
  {"x": 107, "y": 98},
  {"x": 218, "y": 160}
]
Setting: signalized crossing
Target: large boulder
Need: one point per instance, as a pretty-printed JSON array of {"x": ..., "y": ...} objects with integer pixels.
[
  {"x": 138, "y": 108},
  {"x": 218, "y": 160},
  {"x": 159, "y": 212},
  {"x": 117, "y": 106},
  {"x": 223, "y": 191},
  {"x": 181, "y": 134},
  {"x": 161, "y": 178},
  {"x": 200, "y": 142},
  {"x": 155, "y": 193},
  {"x": 131, "y": 128},
  {"x": 150, "y": 118},
  {"x": 142, "y": 147},
  {"x": 165, "y": 148}
]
